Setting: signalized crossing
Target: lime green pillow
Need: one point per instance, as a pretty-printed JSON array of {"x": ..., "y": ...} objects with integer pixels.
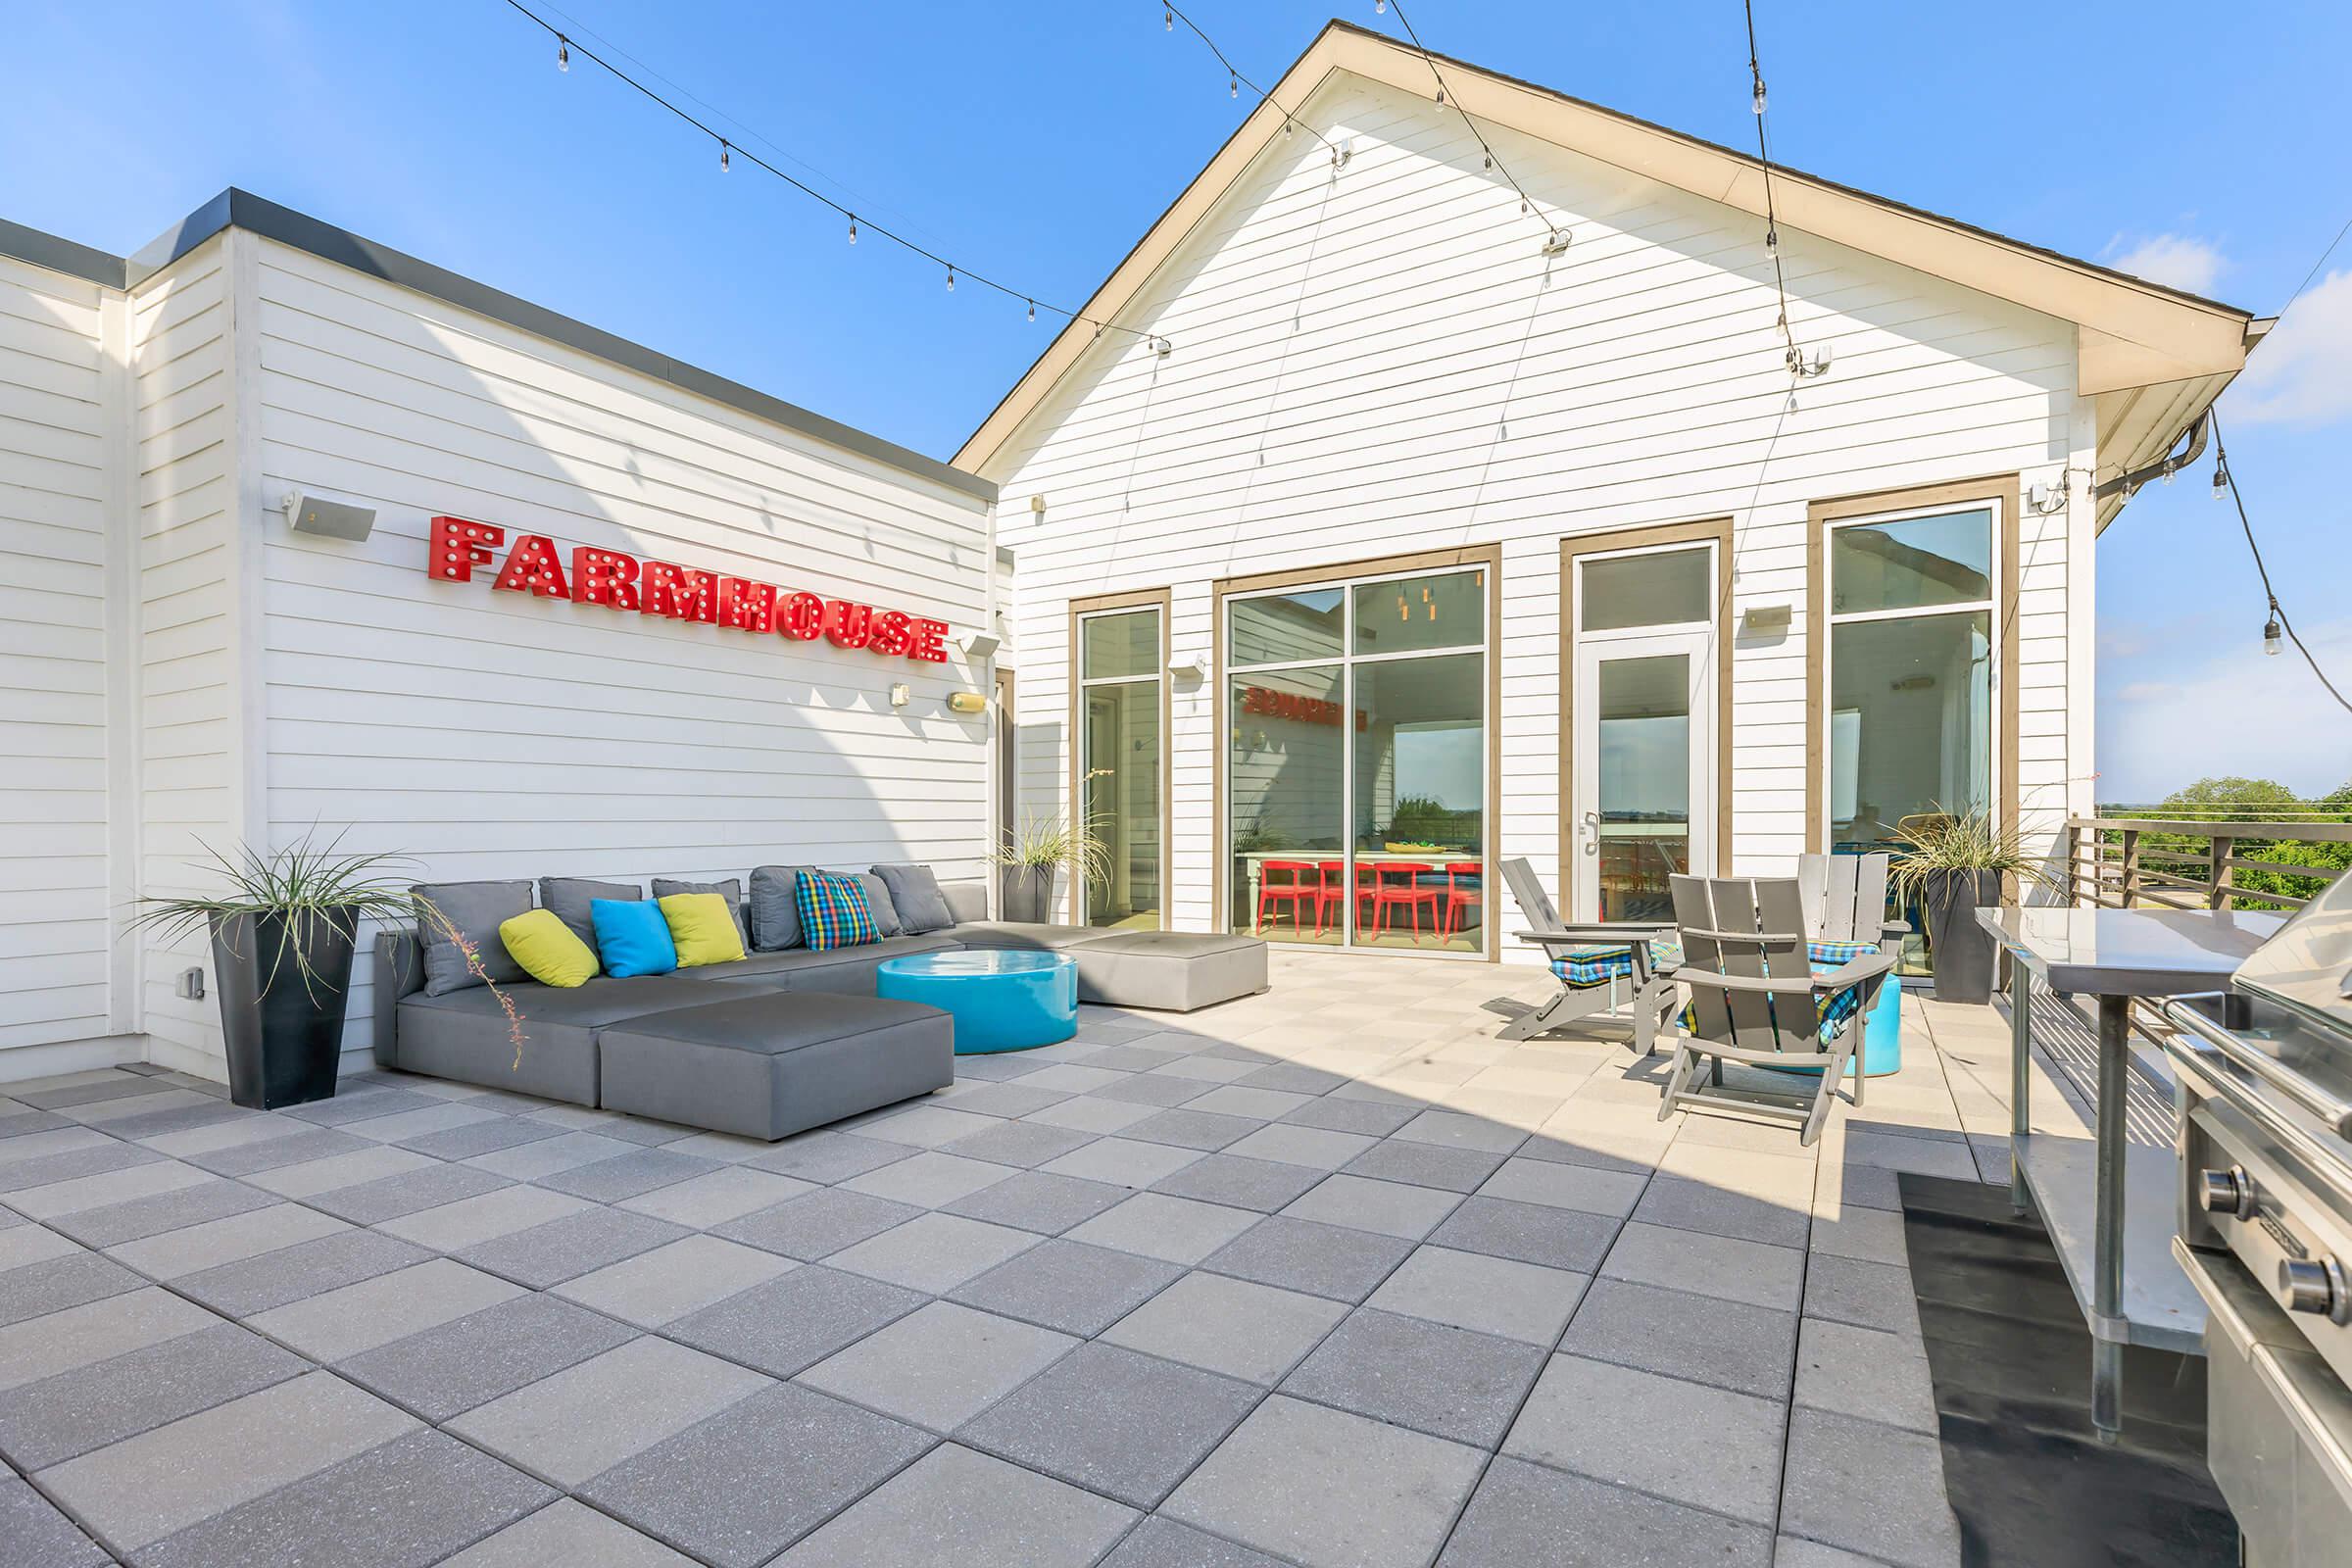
[
  {"x": 548, "y": 950},
  {"x": 704, "y": 928}
]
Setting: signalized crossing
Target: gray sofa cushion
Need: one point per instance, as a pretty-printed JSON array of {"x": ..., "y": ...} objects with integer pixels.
[
  {"x": 965, "y": 900},
  {"x": 774, "y": 907},
  {"x": 914, "y": 893},
  {"x": 464, "y": 1035},
  {"x": 476, "y": 909},
  {"x": 730, "y": 890},
  {"x": 843, "y": 972},
  {"x": 1175, "y": 970},
  {"x": 877, "y": 899},
  {"x": 1020, "y": 934},
  {"x": 767, "y": 1066},
  {"x": 566, "y": 898}
]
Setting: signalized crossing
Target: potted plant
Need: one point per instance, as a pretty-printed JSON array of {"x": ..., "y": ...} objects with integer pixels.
[
  {"x": 1041, "y": 847},
  {"x": 1953, "y": 864},
  {"x": 283, "y": 930}
]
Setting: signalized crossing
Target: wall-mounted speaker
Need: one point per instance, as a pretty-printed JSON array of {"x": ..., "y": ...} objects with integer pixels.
[{"x": 332, "y": 519}]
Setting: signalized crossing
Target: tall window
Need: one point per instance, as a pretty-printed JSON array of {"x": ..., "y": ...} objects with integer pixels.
[
  {"x": 1356, "y": 761},
  {"x": 1910, "y": 677},
  {"x": 1120, "y": 670}
]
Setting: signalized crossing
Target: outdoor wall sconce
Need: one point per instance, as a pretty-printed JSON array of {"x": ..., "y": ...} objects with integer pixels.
[
  {"x": 331, "y": 520},
  {"x": 901, "y": 695},
  {"x": 1763, "y": 619},
  {"x": 967, "y": 703},
  {"x": 1195, "y": 665}
]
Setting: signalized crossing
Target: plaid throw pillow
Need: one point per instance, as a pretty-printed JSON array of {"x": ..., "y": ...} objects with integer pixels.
[{"x": 834, "y": 912}]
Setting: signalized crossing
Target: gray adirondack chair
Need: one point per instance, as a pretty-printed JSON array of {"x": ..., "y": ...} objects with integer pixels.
[
  {"x": 1755, "y": 1000},
  {"x": 1650, "y": 985},
  {"x": 1844, "y": 899}
]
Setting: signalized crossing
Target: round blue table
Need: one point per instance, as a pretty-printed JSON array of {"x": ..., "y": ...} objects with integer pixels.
[{"x": 1001, "y": 1000}]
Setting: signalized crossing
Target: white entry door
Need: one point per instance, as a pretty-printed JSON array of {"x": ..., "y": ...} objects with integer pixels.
[{"x": 1644, "y": 787}]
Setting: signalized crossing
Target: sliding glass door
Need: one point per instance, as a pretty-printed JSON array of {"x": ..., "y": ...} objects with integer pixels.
[{"x": 1356, "y": 761}]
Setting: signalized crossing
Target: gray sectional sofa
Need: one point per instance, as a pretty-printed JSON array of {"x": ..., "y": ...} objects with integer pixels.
[{"x": 782, "y": 1040}]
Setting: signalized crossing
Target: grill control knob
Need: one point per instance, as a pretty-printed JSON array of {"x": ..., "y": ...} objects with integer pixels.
[
  {"x": 2309, "y": 1286},
  {"x": 2226, "y": 1191}
]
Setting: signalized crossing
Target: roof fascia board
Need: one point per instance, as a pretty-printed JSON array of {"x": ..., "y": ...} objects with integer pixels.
[{"x": 239, "y": 208}]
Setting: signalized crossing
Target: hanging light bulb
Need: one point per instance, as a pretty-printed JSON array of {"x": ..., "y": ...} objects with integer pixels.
[
  {"x": 723, "y": 164},
  {"x": 1287, "y": 126},
  {"x": 1033, "y": 310},
  {"x": 1759, "y": 98},
  {"x": 950, "y": 279},
  {"x": 1772, "y": 239},
  {"x": 2270, "y": 643},
  {"x": 1232, "y": 85},
  {"x": 1380, "y": 8},
  {"x": 852, "y": 228},
  {"x": 1441, "y": 95},
  {"x": 1167, "y": 18},
  {"x": 2221, "y": 479},
  {"x": 563, "y": 53},
  {"x": 1490, "y": 160}
]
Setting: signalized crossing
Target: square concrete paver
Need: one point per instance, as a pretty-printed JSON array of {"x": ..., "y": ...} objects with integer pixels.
[
  {"x": 1525, "y": 1513},
  {"x": 930, "y": 1178},
  {"x": 136, "y": 1492},
  {"x": 1329, "y": 1488},
  {"x": 1161, "y": 1543},
  {"x": 1237, "y": 1327},
  {"x": 739, "y": 1488},
  {"x": 817, "y": 1224},
  {"x": 1707, "y": 1447},
  {"x": 467, "y": 1362},
  {"x": 1174, "y": 1230},
  {"x": 53, "y": 1420},
  {"x": 92, "y": 1331},
  {"x": 1125, "y": 1425},
  {"x": 1034, "y": 1201},
  {"x": 939, "y": 1366},
  {"x": 587, "y": 1418},
  {"x": 1749, "y": 1350},
  {"x": 796, "y": 1320},
  {"x": 340, "y": 1323},
  {"x": 1569, "y": 1239},
  {"x": 969, "y": 1509},
  {"x": 1736, "y": 1270},
  {"x": 1492, "y": 1295},
  {"x": 1447, "y": 1381},
  {"x": 1869, "y": 1489},
  {"x": 35, "y": 1534},
  {"x": 933, "y": 1253},
  {"x": 1301, "y": 1254},
  {"x": 1367, "y": 1203},
  {"x": 727, "y": 1192},
  {"x": 668, "y": 1282},
  {"x": 567, "y": 1534},
  {"x": 541, "y": 1255},
  {"x": 1069, "y": 1285},
  {"x": 1239, "y": 1182}
]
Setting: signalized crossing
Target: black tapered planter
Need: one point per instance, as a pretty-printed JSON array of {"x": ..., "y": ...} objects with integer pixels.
[
  {"x": 1960, "y": 948},
  {"x": 281, "y": 1008},
  {"x": 1028, "y": 893}
]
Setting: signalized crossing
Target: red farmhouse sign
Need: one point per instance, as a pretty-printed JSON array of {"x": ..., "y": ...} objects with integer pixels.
[
  {"x": 617, "y": 581},
  {"x": 1306, "y": 709}
]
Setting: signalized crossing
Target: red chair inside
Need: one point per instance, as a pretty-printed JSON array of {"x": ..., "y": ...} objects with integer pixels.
[{"x": 1295, "y": 883}]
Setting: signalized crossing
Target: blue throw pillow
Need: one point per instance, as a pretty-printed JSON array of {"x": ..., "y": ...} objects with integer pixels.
[{"x": 632, "y": 937}]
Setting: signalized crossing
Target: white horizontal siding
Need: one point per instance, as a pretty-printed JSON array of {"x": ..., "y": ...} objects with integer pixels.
[
  {"x": 54, "y": 927},
  {"x": 1381, "y": 363},
  {"x": 496, "y": 735}
]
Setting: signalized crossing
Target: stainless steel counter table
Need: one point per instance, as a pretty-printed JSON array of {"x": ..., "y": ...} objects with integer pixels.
[{"x": 2133, "y": 1293}]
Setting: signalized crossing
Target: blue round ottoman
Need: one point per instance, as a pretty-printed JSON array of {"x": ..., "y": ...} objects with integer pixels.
[{"x": 1002, "y": 999}]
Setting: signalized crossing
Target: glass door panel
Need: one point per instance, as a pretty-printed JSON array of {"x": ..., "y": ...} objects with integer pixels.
[
  {"x": 1287, "y": 794},
  {"x": 1122, "y": 803},
  {"x": 1420, "y": 803},
  {"x": 1644, "y": 796}
]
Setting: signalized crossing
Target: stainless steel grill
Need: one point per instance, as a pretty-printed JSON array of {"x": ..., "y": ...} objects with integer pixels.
[{"x": 2265, "y": 1231}]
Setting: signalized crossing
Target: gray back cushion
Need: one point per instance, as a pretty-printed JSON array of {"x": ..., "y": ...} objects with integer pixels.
[
  {"x": 774, "y": 907},
  {"x": 914, "y": 893},
  {"x": 730, "y": 890},
  {"x": 566, "y": 898},
  {"x": 476, "y": 909},
  {"x": 877, "y": 899},
  {"x": 965, "y": 900}
]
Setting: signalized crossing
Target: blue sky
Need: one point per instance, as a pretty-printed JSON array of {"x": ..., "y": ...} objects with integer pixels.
[{"x": 1037, "y": 142}]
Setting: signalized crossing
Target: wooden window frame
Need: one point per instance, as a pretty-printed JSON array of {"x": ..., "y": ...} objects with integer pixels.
[
  {"x": 1163, "y": 601},
  {"x": 2002, "y": 493}
]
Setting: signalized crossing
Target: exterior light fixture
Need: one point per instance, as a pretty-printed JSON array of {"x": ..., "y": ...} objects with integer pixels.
[
  {"x": 967, "y": 703},
  {"x": 1555, "y": 243},
  {"x": 2270, "y": 639},
  {"x": 563, "y": 53},
  {"x": 2221, "y": 479},
  {"x": 901, "y": 693}
]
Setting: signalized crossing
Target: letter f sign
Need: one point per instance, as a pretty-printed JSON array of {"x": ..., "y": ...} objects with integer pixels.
[{"x": 456, "y": 547}]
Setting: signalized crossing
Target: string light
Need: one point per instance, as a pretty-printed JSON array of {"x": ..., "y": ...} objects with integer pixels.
[
  {"x": 1033, "y": 310},
  {"x": 1232, "y": 85},
  {"x": 2221, "y": 479},
  {"x": 1554, "y": 233},
  {"x": 727, "y": 149},
  {"x": 2277, "y": 624},
  {"x": 1793, "y": 356},
  {"x": 1235, "y": 81}
]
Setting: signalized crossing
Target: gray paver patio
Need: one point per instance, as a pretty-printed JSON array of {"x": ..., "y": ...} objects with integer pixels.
[{"x": 1306, "y": 1279}]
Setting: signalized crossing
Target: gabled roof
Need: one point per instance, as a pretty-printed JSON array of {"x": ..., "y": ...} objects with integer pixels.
[{"x": 2132, "y": 334}]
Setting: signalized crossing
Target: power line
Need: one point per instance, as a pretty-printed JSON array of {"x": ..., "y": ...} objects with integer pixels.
[
  {"x": 2225, "y": 477},
  {"x": 1527, "y": 204},
  {"x": 1172, "y": 14},
  {"x": 566, "y": 46},
  {"x": 2315, "y": 270}
]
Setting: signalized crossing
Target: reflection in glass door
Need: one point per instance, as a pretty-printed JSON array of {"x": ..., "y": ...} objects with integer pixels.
[
  {"x": 1357, "y": 763},
  {"x": 1119, "y": 765},
  {"x": 1644, "y": 700}
]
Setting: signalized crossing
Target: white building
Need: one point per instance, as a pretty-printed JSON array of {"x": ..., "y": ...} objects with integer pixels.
[
  {"x": 1399, "y": 532},
  {"x": 184, "y": 667}
]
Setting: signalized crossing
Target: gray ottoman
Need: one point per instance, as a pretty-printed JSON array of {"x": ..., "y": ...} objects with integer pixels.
[
  {"x": 1175, "y": 970},
  {"x": 773, "y": 1063}
]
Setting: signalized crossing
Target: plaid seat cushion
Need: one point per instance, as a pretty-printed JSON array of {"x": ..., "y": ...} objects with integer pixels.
[
  {"x": 833, "y": 912},
  {"x": 1836, "y": 1011},
  {"x": 1598, "y": 966}
]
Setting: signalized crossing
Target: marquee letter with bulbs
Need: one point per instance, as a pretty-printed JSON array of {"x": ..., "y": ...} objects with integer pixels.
[{"x": 534, "y": 565}]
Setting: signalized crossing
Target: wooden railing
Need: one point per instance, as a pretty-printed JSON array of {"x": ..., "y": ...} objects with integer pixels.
[{"x": 2128, "y": 862}]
